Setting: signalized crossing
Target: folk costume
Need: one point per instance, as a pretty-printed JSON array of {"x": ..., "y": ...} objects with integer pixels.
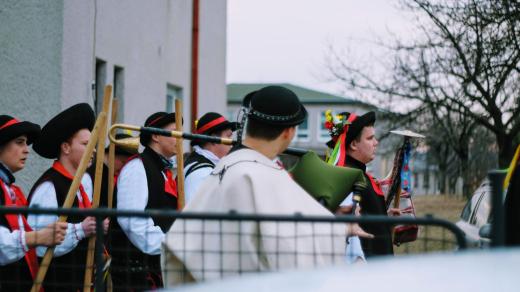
[
  {"x": 201, "y": 162},
  {"x": 145, "y": 182},
  {"x": 372, "y": 199},
  {"x": 18, "y": 262},
  {"x": 249, "y": 182},
  {"x": 67, "y": 269}
]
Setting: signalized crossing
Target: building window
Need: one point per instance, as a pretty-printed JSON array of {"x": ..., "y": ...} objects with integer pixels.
[
  {"x": 302, "y": 131},
  {"x": 119, "y": 91},
  {"x": 101, "y": 80},
  {"x": 323, "y": 133},
  {"x": 415, "y": 180},
  {"x": 172, "y": 93}
]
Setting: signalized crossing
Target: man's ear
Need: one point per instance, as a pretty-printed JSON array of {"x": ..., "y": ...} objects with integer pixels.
[
  {"x": 155, "y": 138},
  {"x": 353, "y": 145},
  {"x": 65, "y": 148},
  {"x": 288, "y": 132}
]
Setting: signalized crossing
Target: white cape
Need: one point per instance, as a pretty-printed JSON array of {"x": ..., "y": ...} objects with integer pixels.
[{"x": 249, "y": 183}]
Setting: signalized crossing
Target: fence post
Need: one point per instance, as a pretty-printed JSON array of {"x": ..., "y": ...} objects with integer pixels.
[
  {"x": 100, "y": 263},
  {"x": 496, "y": 177}
]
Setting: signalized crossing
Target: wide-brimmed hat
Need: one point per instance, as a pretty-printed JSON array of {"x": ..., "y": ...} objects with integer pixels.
[
  {"x": 62, "y": 127},
  {"x": 211, "y": 123},
  {"x": 11, "y": 128},
  {"x": 156, "y": 120},
  {"x": 275, "y": 105}
]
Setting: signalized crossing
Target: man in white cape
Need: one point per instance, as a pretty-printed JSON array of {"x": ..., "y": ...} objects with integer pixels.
[{"x": 249, "y": 181}]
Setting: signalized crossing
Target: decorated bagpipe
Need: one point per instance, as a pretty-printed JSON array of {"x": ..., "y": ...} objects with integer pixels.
[{"x": 399, "y": 190}]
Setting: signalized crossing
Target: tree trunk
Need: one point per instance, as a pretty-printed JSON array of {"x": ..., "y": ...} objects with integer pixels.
[{"x": 505, "y": 149}]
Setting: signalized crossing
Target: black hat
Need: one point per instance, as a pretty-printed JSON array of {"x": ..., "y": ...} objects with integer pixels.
[
  {"x": 156, "y": 120},
  {"x": 62, "y": 127},
  {"x": 357, "y": 123},
  {"x": 125, "y": 150},
  {"x": 211, "y": 123},
  {"x": 275, "y": 105},
  {"x": 11, "y": 128}
]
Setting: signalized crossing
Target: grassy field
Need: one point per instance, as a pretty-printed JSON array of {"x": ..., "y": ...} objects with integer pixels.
[{"x": 434, "y": 238}]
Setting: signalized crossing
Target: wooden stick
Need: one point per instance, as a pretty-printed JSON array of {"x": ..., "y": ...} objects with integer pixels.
[
  {"x": 98, "y": 178},
  {"x": 180, "y": 156},
  {"x": 111, "y": 157},
  {"x": 69, "y": 200}
]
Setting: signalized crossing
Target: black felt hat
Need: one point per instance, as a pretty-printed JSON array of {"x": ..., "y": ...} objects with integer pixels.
[
  {"x": 62, "y": 127},
  {"x": 156, "y": 120},
  {"x": 275, "y": 105},
  {"x": 11, "y": 128},
  {"x": 356, "y": 126},
  {"x": 211, "y": 123}
]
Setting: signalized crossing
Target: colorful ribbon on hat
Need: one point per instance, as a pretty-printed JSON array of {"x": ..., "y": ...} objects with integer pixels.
[{"x": 339, "y": 154}]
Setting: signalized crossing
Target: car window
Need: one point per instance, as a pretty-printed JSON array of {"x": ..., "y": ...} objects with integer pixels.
[
  {"x": 466, "y": 212},
  {"x": 483, "y": 210}
]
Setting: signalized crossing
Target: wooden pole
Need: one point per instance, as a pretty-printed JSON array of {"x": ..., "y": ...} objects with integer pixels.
[
  {"x": 180, "y": 156},
  {"x": 69, "y": 200},
  {"x": 98, "y": 178},
  {"x": 111, "y": 157}
]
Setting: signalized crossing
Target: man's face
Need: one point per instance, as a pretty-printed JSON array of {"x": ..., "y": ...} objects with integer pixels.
[
  {"x": 364, "y": 150},
  {"x": 167, "y": 145},
  {"x": 221, "y": 150},
  {"x": 74, "y": 148},
  {"x": 14, "y": 153}
]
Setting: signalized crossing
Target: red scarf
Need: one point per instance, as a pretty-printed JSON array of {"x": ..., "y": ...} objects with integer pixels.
[
  {"x": 84, "y": 202},
  {"x": 375, "y": 185},
  {"x": 12, "y": 220},
  {"x": 170, "y": 185}
]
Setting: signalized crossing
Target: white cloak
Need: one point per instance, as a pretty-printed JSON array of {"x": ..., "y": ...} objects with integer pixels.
[{"x": 248, "y": 182}]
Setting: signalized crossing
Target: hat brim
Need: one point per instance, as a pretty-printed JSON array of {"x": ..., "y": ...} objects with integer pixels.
[
  {"x": 31, "y": 130},
  {"x": 62, "y": 127}
]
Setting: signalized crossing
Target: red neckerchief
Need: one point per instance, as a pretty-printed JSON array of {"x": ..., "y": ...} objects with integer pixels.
[
  {"x": 170, "y": 185},
  {"x": 12, "y": 220},
  {"x": 84, "y": 203},
  {"x": 375, "y": 185}
]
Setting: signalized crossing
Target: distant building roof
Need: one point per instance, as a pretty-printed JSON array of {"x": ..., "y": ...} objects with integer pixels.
[{"x": 237, "y": 91}]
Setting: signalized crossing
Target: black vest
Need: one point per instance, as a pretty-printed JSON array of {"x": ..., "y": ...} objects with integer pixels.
[
  {"x": 66, "y": 272},
  {"x": 373, "y": 204},
  {"x": 14, "y": 276},
  {"x": 196, "y": 161},
  {"x": 129, "y": 264}
]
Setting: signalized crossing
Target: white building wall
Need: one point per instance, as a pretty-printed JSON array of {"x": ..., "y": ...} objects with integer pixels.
[{"x": 212, "y": 56}]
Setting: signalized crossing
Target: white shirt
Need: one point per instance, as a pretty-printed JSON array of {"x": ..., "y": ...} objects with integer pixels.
[
  {"x": 12, "y": 244},
  {"x": 45, "y": 197},
  {"x": 353, "y": 251},
  {"x": 132, "y": 194},
  {"x": 193, "y": 181}
]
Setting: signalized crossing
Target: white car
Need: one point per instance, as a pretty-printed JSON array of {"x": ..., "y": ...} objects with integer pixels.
[
  {"x": 475, "y": 270},
  {"x": 476, "y": 215}
]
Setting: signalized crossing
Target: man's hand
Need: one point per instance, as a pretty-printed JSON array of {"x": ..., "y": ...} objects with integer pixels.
[
  {"x": 51, "y": 235},
  {"x": 354, "y": 229},
  {"x": 393, "y": 212},
  {"x": 89, "y": 226}
]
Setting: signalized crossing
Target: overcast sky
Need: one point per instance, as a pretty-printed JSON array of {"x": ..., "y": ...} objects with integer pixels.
[{"x": 288, "y": 40}]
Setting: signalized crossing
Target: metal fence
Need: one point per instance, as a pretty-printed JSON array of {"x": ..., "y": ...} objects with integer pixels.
[{"x": 211, "y": 246}]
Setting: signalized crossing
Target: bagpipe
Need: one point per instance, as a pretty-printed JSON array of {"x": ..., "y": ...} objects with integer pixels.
[{"x": 399, "y": 190}]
